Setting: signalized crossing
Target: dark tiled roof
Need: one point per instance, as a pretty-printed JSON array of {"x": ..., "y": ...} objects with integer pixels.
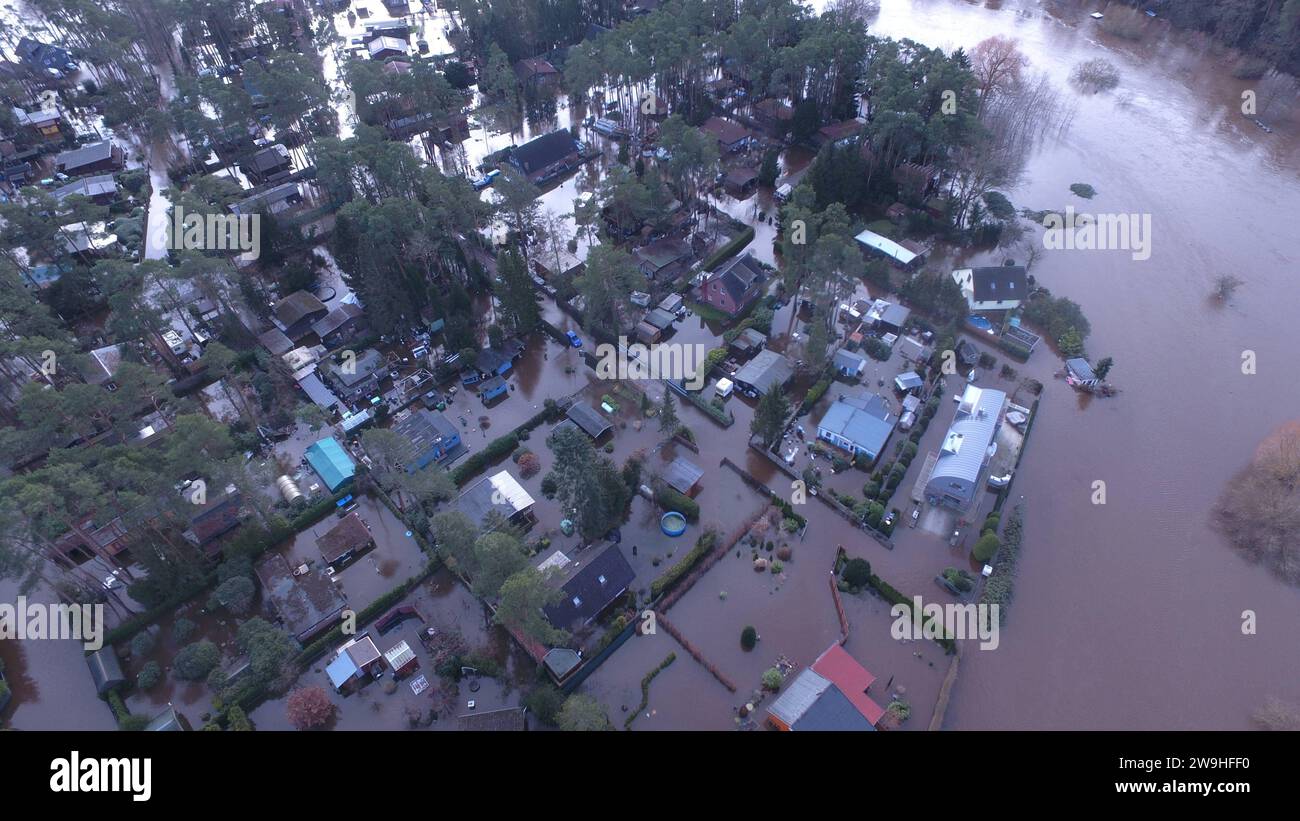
[
  {"x": 545, "y": 150},
  {"x": 592, "y": 589},
  {"x": 738, "y": 275},
  {"x": 998, "y": 283}
]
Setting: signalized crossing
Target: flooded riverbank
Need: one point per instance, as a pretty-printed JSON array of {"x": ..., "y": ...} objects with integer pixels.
[{"x": 1128, "y": 614}]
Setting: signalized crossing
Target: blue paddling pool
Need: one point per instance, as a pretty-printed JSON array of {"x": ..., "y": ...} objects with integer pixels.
[{"x": 673, "y": 523}]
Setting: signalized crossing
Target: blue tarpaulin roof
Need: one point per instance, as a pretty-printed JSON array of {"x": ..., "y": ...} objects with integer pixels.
[{"x": 331, "y": 462}]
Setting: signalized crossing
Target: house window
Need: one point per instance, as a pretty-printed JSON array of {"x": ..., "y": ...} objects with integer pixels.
[
  {"x": 601, "y": 579},
  {"x": 577, "y": 602}
]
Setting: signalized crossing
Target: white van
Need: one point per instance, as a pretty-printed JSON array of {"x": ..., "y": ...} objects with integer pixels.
[{"x": 783, "y": 193}]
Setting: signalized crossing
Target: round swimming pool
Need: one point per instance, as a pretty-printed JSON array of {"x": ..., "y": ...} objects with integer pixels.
[
  {"x": 979, "y": 322},
  {"x": 673, "y": 523}
]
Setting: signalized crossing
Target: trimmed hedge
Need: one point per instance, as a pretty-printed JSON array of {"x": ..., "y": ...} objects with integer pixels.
[
  {"x": 729, "y": 250},
  {"x": 669, "y": 499},
  {"x": 703, "y": 545},
  {"x": 497, "y": 448}
]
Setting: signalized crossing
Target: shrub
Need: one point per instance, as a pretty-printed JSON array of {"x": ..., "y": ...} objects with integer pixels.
[
  {"x": 529, "y": 465},
  {"x": 784, "y": 553},
  {"x": 544, "y": 701},
  {"x": 748, "y": 638},
  {"x": 149, "y": 676},
  {"x": 857, "y": 573},
  {"x": 183, "y": 630},
  {"x": 195, "y": 661},
  {"x": 549, "y": 486},
  {"x": 143, "y": 643},
  {"x": 876, "y": 349},
  {"x": 987, "y": 545},
  {"x": 309, "y": 707},
  {"x": 772, "y": 679},
  {"x": 234, "y": 594},
  {"x": 133, "y": 724},
  {"x": 669, "y": 499}
]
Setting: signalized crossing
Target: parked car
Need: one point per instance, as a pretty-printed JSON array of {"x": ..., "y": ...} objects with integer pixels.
[{"x": 574, "y": 339}]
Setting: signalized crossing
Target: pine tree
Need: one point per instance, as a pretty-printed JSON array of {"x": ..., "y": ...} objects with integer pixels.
[{"x": 668, "y": 421}]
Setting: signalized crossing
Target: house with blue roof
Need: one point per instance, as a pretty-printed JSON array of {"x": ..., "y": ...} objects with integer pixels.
[
  {"x": 331, "y": 462},
  {"x": 859, "y": 425}
]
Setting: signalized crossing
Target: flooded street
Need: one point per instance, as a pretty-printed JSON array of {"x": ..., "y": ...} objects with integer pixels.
[{"x": 1129, "y": 614}]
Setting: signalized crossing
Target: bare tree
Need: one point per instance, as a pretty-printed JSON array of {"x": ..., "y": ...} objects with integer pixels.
[{"x": 997, "y": 64}]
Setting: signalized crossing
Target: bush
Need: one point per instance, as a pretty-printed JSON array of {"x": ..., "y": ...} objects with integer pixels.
[
  {"x": 665, "y": 582},
  {"x": 987, "y": 545},
  {"x": 549, "y": 486},
  {"x": 183, "y": 630},
  {"x": 669, "y": 499},
  {"x": 149, "y": 676},
  {"x": 876, "y": 349},
  {"x": 772, "y": 679},
  {"x": 234, "y": 594},
  {"x": 748, "y": 638},
  {"x": 143, "y": 643},
  {"x": 529, "y": 465},
  {"x": 309, "y": 707},
  {"x": 544, "y": 701},
  {"x": 857, "y": 572},
  {"x": 195, "y": 661}
]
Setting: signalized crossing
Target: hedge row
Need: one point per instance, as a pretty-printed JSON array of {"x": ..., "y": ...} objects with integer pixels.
[
  {"x": 891, "y": 595},
  {"x": 722, "y": 416},
  {"x": 645, "y": 690},
  {"x": 368, "y": 614},
  {"x": 703, "y": 545},
  {"x": 669, "y": 499},
  {"x": 729, "y": 250},
  {"x": 496, "y": 449}
]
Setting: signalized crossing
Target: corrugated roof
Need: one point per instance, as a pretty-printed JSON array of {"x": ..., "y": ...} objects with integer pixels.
[
  {"x": 972, "y": 433},
  {"x": 866, "y": 423},
  {"x": 328, "y": 458},
  {"x": 766, "y": 371},
  {"x": 682, "y": 475},
  {"x": 587, "y": 418},
  {"x": 501, "y": 492},
  {"x": 886, "y": 246}
]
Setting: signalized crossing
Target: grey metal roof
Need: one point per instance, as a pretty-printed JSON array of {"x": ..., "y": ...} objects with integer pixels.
[
  {"x": 316, "y": 391},
  {"x": 367, "y": 364},
  {"x": 846, "y": 360},
  {"x": 422, "y": 430},
  {"x": 968, "y": 438},
  {"x": 335, "y": 319},
  {"x": 500, "y": 492},
  {"x": 682, "y": 475},
  {"x": 660, "y": 318},
  {"x": 87, "y": 187},
  {"x": 586, "y": 417},
  {"x": 86, "y": 155},
  {"x": 1080, "y": 369},
  {"x": 866, "y": 422},
  {"x": 766, "y": 371},
  {"x": 105, "y": 670}
]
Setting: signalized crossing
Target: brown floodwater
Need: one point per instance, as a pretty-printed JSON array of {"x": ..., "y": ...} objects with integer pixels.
[{"x": 1128, "y": 614}]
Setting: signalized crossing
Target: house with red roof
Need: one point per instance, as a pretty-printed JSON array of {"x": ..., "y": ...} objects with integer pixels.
[{"x": 831, "y": 695}]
